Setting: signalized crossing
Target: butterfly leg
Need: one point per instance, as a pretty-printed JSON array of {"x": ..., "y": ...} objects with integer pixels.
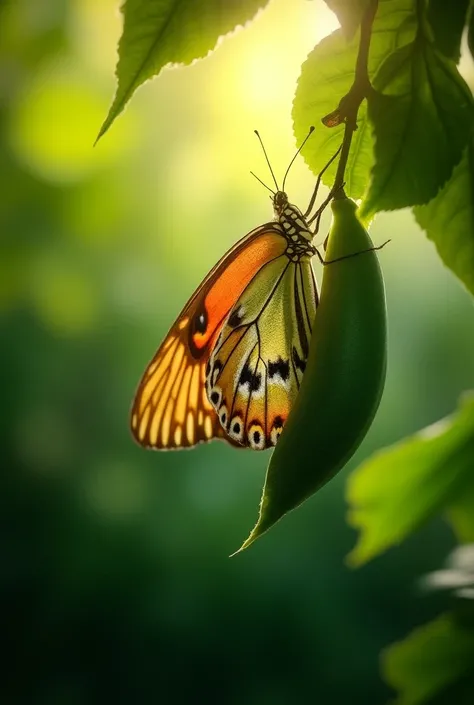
[
  {"x": 353, "y": 254},
  {"x": 318, "y": 184},
  {"x": 317, "y": 216}
]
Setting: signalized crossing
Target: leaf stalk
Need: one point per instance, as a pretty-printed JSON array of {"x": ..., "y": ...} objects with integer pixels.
[{"x": 349, "y": 105}]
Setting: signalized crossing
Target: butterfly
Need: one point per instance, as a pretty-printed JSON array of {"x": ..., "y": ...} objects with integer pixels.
[{"x": 231, "y": 365}]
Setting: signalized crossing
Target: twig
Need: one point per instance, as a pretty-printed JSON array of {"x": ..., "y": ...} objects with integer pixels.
[{"x": 351, "y": 102}]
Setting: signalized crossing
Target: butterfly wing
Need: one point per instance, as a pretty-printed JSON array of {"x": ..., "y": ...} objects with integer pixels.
[
  {"x": 171, "y": 408},
  {"x": 258, "y": 361}
]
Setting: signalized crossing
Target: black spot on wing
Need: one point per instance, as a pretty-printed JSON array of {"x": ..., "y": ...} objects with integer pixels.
[
  {"x": 300, "y": 320},
  {"x": 253, "y": 379},
  {"x": 256, "y": 436},
  {"x": 278, "y": 422},
  {"x": 223, "y": 415},
  {"x": 214, "y": 370},
  {"x": 276, "y": 430},
  {"x": 235, "y": 318},
  {"x": 299, "y": 363},
  {"x": 280, "y": 367},
  {"x": 199, "y": 321}
]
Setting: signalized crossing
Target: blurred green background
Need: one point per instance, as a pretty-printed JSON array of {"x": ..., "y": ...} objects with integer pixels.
[{"x": 116, "y": 581}]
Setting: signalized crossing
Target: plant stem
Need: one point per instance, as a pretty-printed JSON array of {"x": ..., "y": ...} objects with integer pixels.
[{"x": 350, "y": 104}]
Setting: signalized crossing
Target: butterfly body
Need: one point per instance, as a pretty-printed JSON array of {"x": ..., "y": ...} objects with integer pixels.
[{"x": 231, "y": 365}]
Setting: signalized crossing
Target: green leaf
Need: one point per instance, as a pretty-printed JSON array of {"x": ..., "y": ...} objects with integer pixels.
[
  {"x": 401, "y": 487},
  {"x": 447, "y": 20},
  {"x": 349, "y": 13},
  {"x": 421, "y": 112},
  {"x": 434, "y": 664},
  {"x": 326, "y": 77},
  {"x": 449, "y": 219},
  {"x": 161, "y": 32}
]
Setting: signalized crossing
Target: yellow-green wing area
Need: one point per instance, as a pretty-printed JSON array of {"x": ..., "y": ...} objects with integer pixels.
[{"x": 257, "y": 364}]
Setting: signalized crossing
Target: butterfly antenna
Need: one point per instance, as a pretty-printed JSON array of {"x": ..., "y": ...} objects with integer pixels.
[
  {"x": 263, "y": 184},
  {"x": 311, "y": 130},
  {"x": 266, "y": 157}
]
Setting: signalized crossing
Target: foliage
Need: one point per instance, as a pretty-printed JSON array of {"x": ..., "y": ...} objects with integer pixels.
[
  {"x": 327, "y": 75},
  {"x": 447, "y": 27},
  {"x": 448, "y": 219},
  {"x": 162, "y": 32},
  {"x": 401, "y": 487},
  {"x": 421, "y": 113},
  {"x": 433, "y": 664}
]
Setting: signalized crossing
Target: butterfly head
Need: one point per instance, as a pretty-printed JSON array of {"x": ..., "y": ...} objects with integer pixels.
[
  {"x": 280, "y": 202},
  {"x": 283, "y": 209}
]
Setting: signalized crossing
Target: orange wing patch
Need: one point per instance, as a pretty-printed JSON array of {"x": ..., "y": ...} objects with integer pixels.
[{"x": 171, "y": 408}]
